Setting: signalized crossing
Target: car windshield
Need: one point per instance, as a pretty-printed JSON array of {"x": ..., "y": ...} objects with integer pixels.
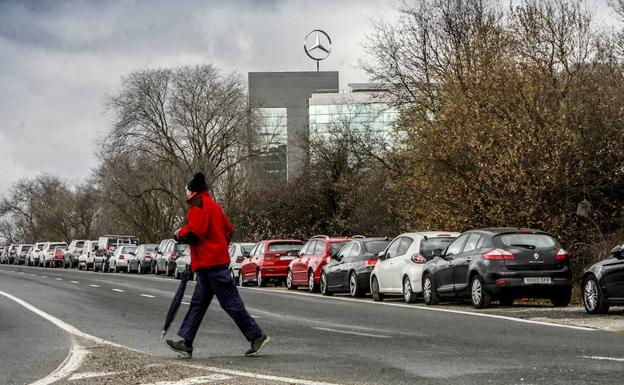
[
  {"x": 80, "y": 244},
  {"x": 528, "y": 241},
  {"x": 26, "y": 248},
  {"x": 127, "y": 249},
  {"x": 181, "y": 247},
  {"x": 247, "y": 248},
  {"x": 375, "y": 247},
  {"x": 284, "y": 247},
  {"x": 60, "y": 248},
  {"x": 336, "y": 246},
  {"x": 151, "y": 247},
  {"x": 428, "y": 246}
]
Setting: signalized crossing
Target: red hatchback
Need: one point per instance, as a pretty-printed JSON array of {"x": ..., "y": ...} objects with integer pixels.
[
  {"x": 268, "y": 261},
  {"x": 306, "y": 269}
]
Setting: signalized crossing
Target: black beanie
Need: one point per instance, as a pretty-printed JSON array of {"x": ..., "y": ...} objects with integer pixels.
[{"x": 197, "y": 183}]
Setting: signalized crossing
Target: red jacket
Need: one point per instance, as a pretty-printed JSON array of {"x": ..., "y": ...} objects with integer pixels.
[{"x": 208, "y": 231}]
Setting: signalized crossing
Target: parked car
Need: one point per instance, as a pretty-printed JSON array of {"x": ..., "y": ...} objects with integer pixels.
[
  {"x": 182, "y": 262},
  {"x": 120, "y": 258},
  {"x": 238, "y": 253},
  {"x": 602, "y": 284},
  {"x": 349, "y": 271},
  {"x": 166, "y": 260},
  {"x": 143, "y": 256},
  {"x": 86, "y": 259},
  {"x": 106, "y": 247},
  {"x": 50, "y": 255},
  {"x": 21, "y": 254},
  {"x": 34, "y": 254},
  {"x": 268, "y": 261},
  {"x": 162, "y": 246},
  {"x": 400, "y": 266},
  {"x": 306, "y": 267},
  {"x": 12, "y": 253},
  {"x": 500, "y": 264},
  {"x": 73, "y": 253},
  {"x": 4, "y": 255}
]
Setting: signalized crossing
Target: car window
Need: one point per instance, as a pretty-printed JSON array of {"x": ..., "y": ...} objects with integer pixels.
[
  {"x": 393, "y": 248},
  {"x": 345, "y": 251},
  {"x": 471, "y": 243},
  {"x": 306, "y": 247},
  {"x": 375, "y": 247},
  {"x": 320, "y": 248},
  {"x": 355, "y": 251},
  {"x": 281, "y": 247},
  {"x": 429, "y": 245},
  {"x": 336, "y": 246},
  {"x": 247, "y": 248},
  {"x": 528, "y": 241},
  {"x": 457, "y": 245},
  {"x": 406, "y": 242}
]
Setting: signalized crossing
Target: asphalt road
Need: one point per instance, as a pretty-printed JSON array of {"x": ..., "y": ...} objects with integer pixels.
[{"x": 314, "y": 337}]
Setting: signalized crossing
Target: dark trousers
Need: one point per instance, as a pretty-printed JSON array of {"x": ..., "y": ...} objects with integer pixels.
[{"x": 219, "y": 282}]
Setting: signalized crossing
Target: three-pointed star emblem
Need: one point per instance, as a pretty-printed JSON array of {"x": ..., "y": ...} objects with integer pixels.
[{"x": 317, "y": 45}]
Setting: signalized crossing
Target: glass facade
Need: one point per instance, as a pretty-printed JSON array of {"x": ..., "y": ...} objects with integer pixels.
[
  {"x": 273, "y": 133},
  {"x": 372, "y": 119}
]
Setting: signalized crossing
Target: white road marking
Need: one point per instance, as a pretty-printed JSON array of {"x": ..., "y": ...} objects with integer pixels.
[
  {"x": 604, "y": 358},
  {"x": 59, "y": 279},
  {"x": 72, "y": 362},
  {"x": 351, "y": 333},
  {"x": 427, "y": 308},
  {"x": 119, "y": 290},
  {"x": 195, "y": 380},
  {"x": 185, "y": 303},
  {"x": 94, "y": 285},
  {"x": 21, "y": 272},
  {"x": 31, "y": 274},
  {"x": 75, "y": 331},
  {"x": 82, "y": 376},
  {"x": 44, "y": 276},
  {"x": 74, "y": 281},
  {"x": 147, "y": 296}
]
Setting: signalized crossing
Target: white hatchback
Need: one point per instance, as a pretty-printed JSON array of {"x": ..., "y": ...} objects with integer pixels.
[
  {"x": 121, "y": 258},
  {"x": 400, "y": 266}
]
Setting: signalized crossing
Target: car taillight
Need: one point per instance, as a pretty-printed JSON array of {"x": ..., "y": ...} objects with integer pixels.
[
  {"x": 417, "y": 258},
  {"x": 499, "y": 255},
  {"x": 174, "y": 255},
  {"x": 562, "y": 255},
  {"x": 370, "y": 262}
]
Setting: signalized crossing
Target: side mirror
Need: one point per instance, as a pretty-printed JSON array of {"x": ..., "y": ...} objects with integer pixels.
[{"x": 617, "y": 252}]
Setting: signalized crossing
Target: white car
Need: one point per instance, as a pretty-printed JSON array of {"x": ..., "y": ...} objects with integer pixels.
[
  {"x": 121, "y": 258},
  {"x": 50, "y": 255},
  {"x": 238, "y": 252},
  {"x": 34, "y": 253},
  {"x": 86, "y": 259},
  {"x": 400, "y": 266}
]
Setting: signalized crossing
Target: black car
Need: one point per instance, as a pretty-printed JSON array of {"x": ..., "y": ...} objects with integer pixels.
[
  {"x": 501, "y": 264},
  {"x": 603, "y": 283},
  {"x": 349, "y": 271}
]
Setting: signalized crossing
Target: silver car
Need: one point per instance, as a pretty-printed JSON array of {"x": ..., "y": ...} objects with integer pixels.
[
  {"x": 120, "y": 258},
  {"x": 182, "y": 262},
  {"x": 142, "y": 258},
  {"x": 21, "y": 256},
  {"x": 238, "y": 252}
]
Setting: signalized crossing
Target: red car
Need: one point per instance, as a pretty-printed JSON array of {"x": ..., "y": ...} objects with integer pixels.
[
  {"x": 268, "y": 261},
  {"x": 306, "y": 268}
]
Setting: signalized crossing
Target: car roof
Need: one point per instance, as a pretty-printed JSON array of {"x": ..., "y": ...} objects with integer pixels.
[
  {"x": 502, "y": 230},
  {"x": 431, "y": 234},
  {"x": 282, "y": 240}
]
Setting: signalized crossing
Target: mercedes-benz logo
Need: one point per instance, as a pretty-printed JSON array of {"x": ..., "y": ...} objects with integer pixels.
[
  {"x": 536, "y": 256},
  {"x": 317, "y": 45}
]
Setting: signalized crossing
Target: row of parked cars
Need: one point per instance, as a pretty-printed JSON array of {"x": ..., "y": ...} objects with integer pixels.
[{"x": 482, "y": 265}]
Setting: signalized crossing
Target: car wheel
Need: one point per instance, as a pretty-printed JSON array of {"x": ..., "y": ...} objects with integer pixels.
[
  {"x": 324, "y": 288},
  {"x": 259, "y": 279},
  {"x": 593, "y": 299},
  {"x": 312, "y": 286},
  {"x": 478, "y": 294},
  {"x": 507, "y": 300},
  {"x": 241, "y": 279},
  {"x": 139, "y": 268},
  {"x": 289, "y": 281},
  {"x": 561, "y": 298},
  {"x": 354, "y": 286},
  {"x": 408, "y": 294},
  {"x": 377, "y": 296},
  {"x": 430, "y": 295}
]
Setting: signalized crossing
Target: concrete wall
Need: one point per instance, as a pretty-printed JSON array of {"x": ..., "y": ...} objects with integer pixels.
[{"x": 291, "y": 90}]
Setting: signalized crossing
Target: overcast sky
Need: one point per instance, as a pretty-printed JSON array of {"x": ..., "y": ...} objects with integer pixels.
[{"x": 60, "y": 59}]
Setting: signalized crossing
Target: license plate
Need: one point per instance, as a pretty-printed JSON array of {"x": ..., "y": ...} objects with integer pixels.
[
  {"x": 286, "y": 258},
  {"x": 537, "y": 280}
]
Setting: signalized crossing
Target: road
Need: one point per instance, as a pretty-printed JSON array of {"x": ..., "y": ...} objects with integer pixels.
[{"x": 334, "y": 340}]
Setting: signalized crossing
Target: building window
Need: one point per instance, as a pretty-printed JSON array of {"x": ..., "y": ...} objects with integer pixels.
[{"x": 273, "y": 131}]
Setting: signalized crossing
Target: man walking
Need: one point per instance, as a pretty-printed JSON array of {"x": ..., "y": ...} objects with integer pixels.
[{"x": 208, "y": 232}]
